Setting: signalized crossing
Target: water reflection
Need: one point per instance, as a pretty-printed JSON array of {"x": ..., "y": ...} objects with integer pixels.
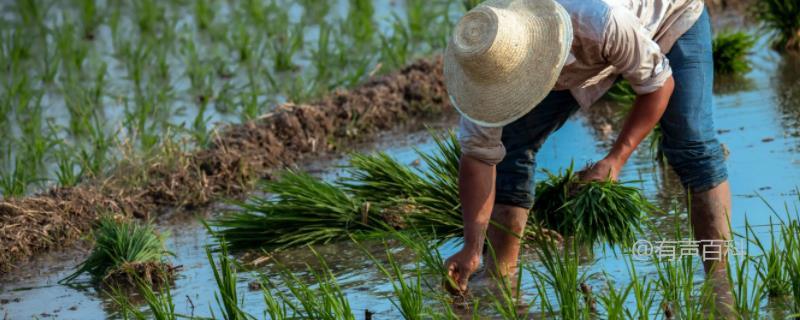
[{"x": 787, "y": 93}]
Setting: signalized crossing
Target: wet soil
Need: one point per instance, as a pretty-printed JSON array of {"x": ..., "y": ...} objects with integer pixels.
[{"x": 236, "y": 157}]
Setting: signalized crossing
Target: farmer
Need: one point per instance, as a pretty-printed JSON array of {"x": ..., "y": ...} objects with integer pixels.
[{"x": 516, "y": 70}]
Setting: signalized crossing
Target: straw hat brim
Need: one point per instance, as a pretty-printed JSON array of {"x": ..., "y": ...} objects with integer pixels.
[{"x": 494, "y": 100}]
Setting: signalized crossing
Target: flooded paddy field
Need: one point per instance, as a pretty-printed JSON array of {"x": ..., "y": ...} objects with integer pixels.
[
  {"x": 757, "y": 119},
  {"x": 758, "y": 126}
]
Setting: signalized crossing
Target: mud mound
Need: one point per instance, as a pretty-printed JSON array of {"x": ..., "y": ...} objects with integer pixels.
[
  {"x": 130, "y": 275},
  {"x": 237, "y": 156}
]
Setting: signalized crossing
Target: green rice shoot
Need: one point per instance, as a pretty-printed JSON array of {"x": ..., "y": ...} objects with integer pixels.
[
  {"x": 592, "y": 212},
  {"x": 730, "y": 52}
]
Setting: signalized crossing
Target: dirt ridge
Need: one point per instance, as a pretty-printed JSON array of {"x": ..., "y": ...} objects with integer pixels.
[{"x": 237, "y": 155}]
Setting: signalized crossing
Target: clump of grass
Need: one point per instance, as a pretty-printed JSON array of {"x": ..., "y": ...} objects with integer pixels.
[
  {"x": 730, "y": 52},
  {"x": 124, "y": 253},
  {"x": 783, "y": 18},
  {"x": 590, "y": 211}
]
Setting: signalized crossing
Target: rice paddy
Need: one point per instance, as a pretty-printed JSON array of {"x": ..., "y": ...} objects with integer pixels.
[
  {"x": 89, "y": 80},
  {"x": 95, "y": 89}
]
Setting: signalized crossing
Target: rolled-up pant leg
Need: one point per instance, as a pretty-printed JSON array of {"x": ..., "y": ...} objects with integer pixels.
[
  {"x": 522, "y": 140},
  {"x": 690, "y": 143}
]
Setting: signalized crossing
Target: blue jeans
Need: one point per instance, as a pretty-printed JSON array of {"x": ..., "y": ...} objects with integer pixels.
[{"x": 689, "y": 144}]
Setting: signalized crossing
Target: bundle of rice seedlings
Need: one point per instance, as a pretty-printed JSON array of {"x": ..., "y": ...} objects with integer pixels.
[
  {"x": 590, "y": 211},
  {"x": 783, "y": 18},
  {"x": 377, "y": 194},
  {"x": 126, "y": 253},
  {"x": 300, "y": 210},
  {"x": 425, "y": 197},
  {"x": 730, "y": 52}
]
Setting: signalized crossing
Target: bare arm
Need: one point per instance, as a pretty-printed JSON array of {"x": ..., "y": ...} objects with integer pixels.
[
  {"x": 477, "y": 189},
  {"x": 476, "y": 181},
  {"x": 647, "y": 111}
]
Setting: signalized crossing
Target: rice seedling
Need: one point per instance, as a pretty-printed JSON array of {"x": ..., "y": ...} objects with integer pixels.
[
  {"x": 72, "y": 50},
  {"x": 613, "y": 300},
  {"x": 285, "y": 46},
  {"x": 427, "y": 252},
  {"x": 123, "y": 252},
  {"x": 359, "y": 24},
  {"x": 397, "y": 46},
  {"x": 770, "y": 264},
  {"x": 66, "y": 174},
  {"x": 676, "y": 280},
  {"x": 505, "y": 294},
  {"x": 314, "y": 12},
  {"x": 562, "y": 274},
  {"x": 229, "y": 302},
  {"x": 149, "y": 14},
  {"x": 408, "y": 293},
  {"x": 90, "y": 18},
  {"x": 730, "y": 51},
  {"x": 783, "y": 18},
  {"x": 203, "y": 14},
  {"x": 748, "y": 291},
  {"x": 15, "y": 176},
  {"x": 597, "y": 211},
  {"x": 160, "y": 305},
  {"x": 323, "y": 300},
  {"x": 790, "y": 236}
]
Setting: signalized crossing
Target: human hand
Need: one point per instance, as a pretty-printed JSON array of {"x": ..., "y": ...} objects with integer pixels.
[
  {"x": 460, "y": 267},
  {"x": 601, "y": 171}
]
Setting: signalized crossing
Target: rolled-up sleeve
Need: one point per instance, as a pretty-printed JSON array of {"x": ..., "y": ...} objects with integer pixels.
[
  {"x": 633, "y": 53},
  {"x": 481, "y": 143}
]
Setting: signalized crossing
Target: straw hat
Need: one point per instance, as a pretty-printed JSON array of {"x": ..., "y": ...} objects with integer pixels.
[{"x": 504, "y": 57}]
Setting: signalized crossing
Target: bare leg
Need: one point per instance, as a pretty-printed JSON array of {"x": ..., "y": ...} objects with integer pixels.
[
  {"x": 711, "y": 224},
  {"x": 505, "y": 231}
]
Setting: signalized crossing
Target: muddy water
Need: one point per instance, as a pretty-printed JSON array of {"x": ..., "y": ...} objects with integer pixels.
[{"x": 758, "y": 124}]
